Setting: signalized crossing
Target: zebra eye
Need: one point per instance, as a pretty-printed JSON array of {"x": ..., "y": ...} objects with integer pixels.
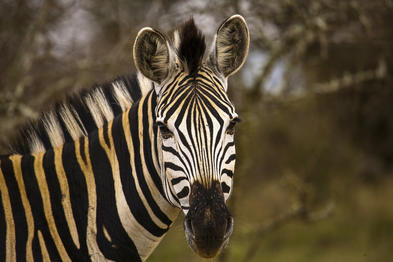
[
  {"x": 231, "y": 126},
  {"x": 164, "y": 130}
]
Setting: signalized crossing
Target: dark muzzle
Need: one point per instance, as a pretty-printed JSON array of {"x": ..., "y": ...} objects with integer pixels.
[{"x": 208, "y": 224}]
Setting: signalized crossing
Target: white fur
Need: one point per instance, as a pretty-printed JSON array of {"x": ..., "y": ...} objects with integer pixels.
[
  {"x": 145, "y": 83},
  {"x": 121, "y": 95},
  {"x": 99, "y": 107},
  {"x": 71, "y": 120},
  {"x": 94, "y": 110},
  {"x": 53, "y": 129},
  {"x": 176, "y": 39},
  {"x": 35, "y": 143}
]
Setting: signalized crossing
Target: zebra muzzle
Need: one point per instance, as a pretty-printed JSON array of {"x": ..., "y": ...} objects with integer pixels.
[{"x": 208, "y": 225}]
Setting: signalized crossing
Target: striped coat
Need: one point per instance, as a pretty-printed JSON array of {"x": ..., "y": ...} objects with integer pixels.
[{"x": 104, "y": 175}]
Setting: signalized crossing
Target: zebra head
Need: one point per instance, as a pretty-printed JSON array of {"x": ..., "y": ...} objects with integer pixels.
[{"x": 196, "y": 121}]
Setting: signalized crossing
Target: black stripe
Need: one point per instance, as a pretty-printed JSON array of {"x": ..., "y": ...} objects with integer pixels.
[
  {"x": 82, "y": 149},
  {"x": 123, "y": 157},
  {"x": 132, "y": 85},
  {"x": 210, "y": 125},
  {"x": 185, "y": 143},
  {"x": 174, "y": 152},
  {"x": 135, "y": 129},
  {"x": 83, "y": 112},
  {"x": 212, "y": 87},
  {"x": 105, "y": 133},
  {"x": 177, "y": 180},
  {"x": 203, "y": 152},
  {"x": 148, "y": 154},
  {"x": 215, "y": 101},
  {"x": 105, "y": 195},
  {"x": 170, "y": 191},
  {"x": 189, "y": 123},
  {"x": 230, "y": 159},
  {"x": 174, "y": 91},
  {"x": 172, "y": 87},
  {"x": 43, "y": 135},
  {"x": 227, "y": 172},
  {"x": 221, "y": 96},
  {"x": 209, "y": 101},
  {"x": 107, "y": 89},
  {"x": 78, "y": 193},
  {"x": 174, "y": 106},
  {"x": 57, "y": 207},
  {"x": 168, "y": 89},
  {"x": 225, "y": 187},
  {"x": 185, "y": 78},
  {"x": 17, "y": 208},
  {"x": 37, "y": 208},
  {"x": 172, "y": 166},
  {"x": 226, "y": 148},
  {"x": 36, "y": 249},
  {"x": 184, "y": 192},
  {"x": 66, "y": 133},
  {"x": 218, "y": 81},
  {"x": 149, "y": 158},
  {"x": 183, "y": 86},
  {"x": 133, "y": 199},
  {"x": 128, "y": 183},
  {"x": 107, "y": 213}
]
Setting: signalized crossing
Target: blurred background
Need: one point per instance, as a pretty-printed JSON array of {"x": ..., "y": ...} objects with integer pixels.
[{"x": 314, "y": 175}]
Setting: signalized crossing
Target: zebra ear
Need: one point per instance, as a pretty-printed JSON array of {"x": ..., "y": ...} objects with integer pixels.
[
  {"x": 151, "y": 54},
  {"x": 231, "y": 45}
]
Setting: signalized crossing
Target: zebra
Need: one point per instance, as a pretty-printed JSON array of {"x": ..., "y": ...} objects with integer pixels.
[{"x": 104, "y": 175}]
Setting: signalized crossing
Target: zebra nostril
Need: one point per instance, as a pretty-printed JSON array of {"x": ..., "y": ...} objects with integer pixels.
[
  {"x": 189, "y": 228},
  {"x": 229, "y": 228}
]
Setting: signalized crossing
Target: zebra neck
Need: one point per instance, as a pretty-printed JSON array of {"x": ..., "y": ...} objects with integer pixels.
[{"x": 126, "y": 149}]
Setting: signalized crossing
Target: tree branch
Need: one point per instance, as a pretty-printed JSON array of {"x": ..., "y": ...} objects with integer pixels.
[{"x": 296, "y": 212}]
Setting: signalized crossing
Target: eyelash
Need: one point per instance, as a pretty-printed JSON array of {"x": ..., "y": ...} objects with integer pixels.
[
  {"x": 164, "y": 130},
  {"x": 231, "y": 126}
]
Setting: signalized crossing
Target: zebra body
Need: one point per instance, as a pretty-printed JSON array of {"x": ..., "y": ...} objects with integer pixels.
[
  {"x": 104, "y": 178},
  {"x": 84, "y": 192}
]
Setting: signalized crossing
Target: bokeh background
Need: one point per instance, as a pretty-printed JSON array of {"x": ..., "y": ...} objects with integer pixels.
[{"x": 314, "y": 175}]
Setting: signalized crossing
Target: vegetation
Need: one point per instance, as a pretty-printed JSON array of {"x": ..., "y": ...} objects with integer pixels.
[{"x": 315, "y": 160}]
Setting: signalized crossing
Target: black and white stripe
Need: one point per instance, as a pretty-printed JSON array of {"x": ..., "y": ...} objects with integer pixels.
[
  {"x": 103, "y": 175},
  {"x": 197, "y": 110}
]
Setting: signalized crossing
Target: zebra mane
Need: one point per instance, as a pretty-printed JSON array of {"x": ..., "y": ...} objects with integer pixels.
[
  {"x": 192, "y": 46},
  {"x": 80, "y": 114}
]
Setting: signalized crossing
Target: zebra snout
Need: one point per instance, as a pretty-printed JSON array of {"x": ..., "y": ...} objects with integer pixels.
[
  {"x": 206, "y": 240},
  {"x": 208, "y": 225}
]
